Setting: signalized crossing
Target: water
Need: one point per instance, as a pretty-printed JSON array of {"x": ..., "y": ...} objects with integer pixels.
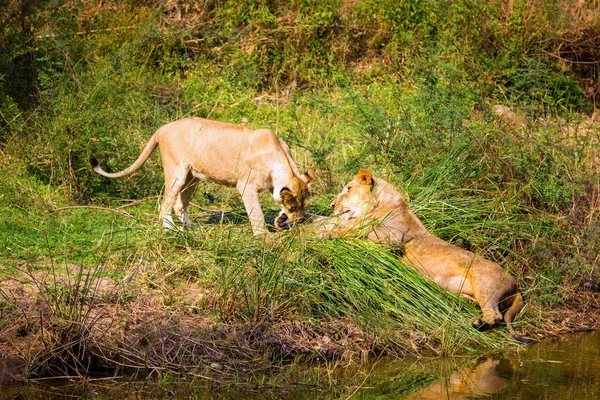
[{"x": 554, "y": 369}]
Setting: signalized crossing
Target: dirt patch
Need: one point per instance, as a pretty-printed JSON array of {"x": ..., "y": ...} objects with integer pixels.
[{"x": 580, "y": 313}]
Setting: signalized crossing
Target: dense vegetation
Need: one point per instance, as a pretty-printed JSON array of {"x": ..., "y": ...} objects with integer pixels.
[{"x": 405, "y": 88}]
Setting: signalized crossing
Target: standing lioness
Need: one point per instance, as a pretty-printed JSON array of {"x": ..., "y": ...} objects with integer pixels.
[
  {"x": 251, "y": 160},
  {"x": 373, "y": 208}
]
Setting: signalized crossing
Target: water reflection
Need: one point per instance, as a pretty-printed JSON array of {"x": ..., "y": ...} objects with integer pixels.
[
  {"x": 558, "y": 369},
  {"x": 554, "y": 369},
  {"x": 485, "y": 377}
]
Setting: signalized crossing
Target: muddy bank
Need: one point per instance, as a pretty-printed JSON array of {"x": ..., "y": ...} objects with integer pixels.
[
  {"x": 137, "y": 332},
  {"x": 127, "y": 330}
]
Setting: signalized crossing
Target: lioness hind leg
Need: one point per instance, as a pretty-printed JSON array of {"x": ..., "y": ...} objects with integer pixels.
[
  {"x": 183, "y": 200},
  {"x": 486, "y": 290},
  {"x": 491, "y": 316},
  {"x": 174, "y": 183}
]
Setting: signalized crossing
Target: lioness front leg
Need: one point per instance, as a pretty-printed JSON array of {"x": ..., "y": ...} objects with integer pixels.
[{"x": 253, "y": 209}]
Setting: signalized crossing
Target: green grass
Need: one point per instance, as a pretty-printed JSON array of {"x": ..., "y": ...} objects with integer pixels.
[{"x": 368, "y": 84}]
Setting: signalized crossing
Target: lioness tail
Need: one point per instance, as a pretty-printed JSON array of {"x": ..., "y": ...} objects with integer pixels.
[
  {"x": 511, "y": 313},
  {"x": 138, "y": 163}
]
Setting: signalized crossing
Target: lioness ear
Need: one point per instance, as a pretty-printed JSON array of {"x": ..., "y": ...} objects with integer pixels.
[
  {"x": 364, "y": 177},
  {"x": 285, "y": 193},
  {"x": 308, "y": 177}
]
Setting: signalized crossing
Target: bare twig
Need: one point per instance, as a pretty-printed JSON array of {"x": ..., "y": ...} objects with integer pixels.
[
  {"x": 81, "y": 33},
  {"x": 570, "y": 61},
  {"x": 136, "y": 202}
]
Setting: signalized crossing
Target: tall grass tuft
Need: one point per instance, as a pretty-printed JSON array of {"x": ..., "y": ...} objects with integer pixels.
[
  {"x": 68, "y": 303},
  {"x": 370, "y": 283},
  {"x": 306, "y": 279}
]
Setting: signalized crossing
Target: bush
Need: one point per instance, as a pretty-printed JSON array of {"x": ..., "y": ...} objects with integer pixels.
[{"x": 542, "y": 89}]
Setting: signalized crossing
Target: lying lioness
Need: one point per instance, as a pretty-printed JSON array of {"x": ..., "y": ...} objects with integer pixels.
[
  {"x": 194, "y": 148},
  {"x": 372, "y": 207}
]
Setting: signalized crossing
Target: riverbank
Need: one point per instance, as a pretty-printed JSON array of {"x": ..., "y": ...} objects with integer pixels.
[
  {"x": 553, "y": 368},
  {"x": 79, "y": 324}
]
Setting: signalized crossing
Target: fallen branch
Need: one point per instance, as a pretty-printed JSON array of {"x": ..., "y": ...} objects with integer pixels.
[{"x": 136, "y": 202}]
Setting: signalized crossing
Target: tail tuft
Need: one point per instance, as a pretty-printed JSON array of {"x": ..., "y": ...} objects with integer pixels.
[{"x": 93, "y": 161}]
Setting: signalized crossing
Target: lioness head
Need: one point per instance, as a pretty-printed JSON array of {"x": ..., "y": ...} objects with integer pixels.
[
  {"x": 293, "y": 199},
  {"x": 356, "y": 198}
]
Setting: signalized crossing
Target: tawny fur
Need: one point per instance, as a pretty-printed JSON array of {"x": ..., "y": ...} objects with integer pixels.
[{"x": 194, "y": 149}]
